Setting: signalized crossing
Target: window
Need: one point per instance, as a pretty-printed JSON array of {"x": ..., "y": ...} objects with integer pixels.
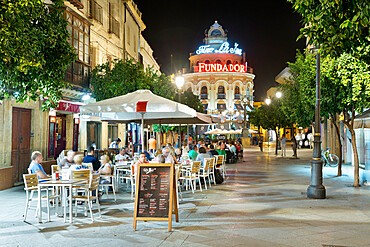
[
  {"x": 216, "y": 32},
  {"x": 114, "y": 26},
  {"x": 237, "y": 90},
  {"x": 221, "y": 107},
  {"x": 203, "y": 93},
  {"x": 228, "y": 62},
  {"x": 221, "y": 89},
  {"x": 97, "y": 12},
  {"x": 205, "y": 106},
  {"x": 207, "y": 61},
  {"x": 221, "y": 92},
  {"x": 218, "y": 61},
  {"x": 79, "y": 37}
]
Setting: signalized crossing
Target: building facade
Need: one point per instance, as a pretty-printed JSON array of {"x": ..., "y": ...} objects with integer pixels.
[
  {"x": 220, "y": 76},
  {"x": 100, "y": 31}
]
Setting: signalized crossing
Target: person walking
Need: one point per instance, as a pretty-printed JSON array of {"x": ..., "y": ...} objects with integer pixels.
[
  {"x": 152, "y": 144},
  {"x": 283, "y": 145}
]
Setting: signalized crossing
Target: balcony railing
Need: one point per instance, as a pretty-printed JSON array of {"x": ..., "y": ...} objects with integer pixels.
[
  {"x": 237, "y": 96},
  {"x": 77, "y": 73},
  {"x": 203, "y": 96},
  {"x": 221, "y": 96}
]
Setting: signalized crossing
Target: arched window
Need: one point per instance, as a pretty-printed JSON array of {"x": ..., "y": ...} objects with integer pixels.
[
  {"x": 216, "y": 32},
  {"x": 218, "y": 61},
  {"x": 204, "y": 93},
  {"x": 197, "y": 63},
  {"x": 237, "y": 92},
  {"x": 228, "y": 62},
  {"x": 207, "y": 61},
  {"x": 221, "y": 92}
]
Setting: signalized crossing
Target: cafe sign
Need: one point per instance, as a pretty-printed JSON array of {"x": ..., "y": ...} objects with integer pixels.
[
  {"x": 224, "y": 48},
  {"x": 216, "y": 67}
]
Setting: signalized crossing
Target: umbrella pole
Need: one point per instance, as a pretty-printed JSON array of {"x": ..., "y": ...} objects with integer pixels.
[
  {"x": 160, "y": 135},
  {"x": 142, "y": 132},
  {"x": 187, "y": 130}
]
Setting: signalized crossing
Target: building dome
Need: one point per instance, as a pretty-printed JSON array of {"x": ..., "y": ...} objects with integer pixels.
[{"x": 215, "y": 35}]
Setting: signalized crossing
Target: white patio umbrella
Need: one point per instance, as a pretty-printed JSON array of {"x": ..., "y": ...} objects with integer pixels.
[{"x": 125, "y": 109}]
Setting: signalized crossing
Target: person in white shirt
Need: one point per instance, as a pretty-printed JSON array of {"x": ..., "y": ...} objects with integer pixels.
[
  {"x": 115, "y": 144},
  {"x": 122, "y": 156},
  {"x": 168, "y": 158}
]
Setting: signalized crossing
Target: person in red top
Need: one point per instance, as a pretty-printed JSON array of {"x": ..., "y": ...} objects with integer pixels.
[{"x": 140, "y": 161}]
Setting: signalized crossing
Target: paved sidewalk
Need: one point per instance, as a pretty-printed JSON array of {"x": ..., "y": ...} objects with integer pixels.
[{"x": 262, "y": 203}]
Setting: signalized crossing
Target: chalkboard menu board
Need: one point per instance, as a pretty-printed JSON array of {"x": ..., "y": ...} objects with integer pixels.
[{"x": 155, "y": 193}]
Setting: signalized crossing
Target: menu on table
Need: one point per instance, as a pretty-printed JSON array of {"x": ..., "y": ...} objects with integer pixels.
[{"x": 154, "y": 191}]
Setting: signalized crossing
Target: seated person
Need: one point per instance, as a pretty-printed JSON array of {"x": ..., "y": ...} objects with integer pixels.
[
  {"x": 122, "y": 156},
  {"x": 90, "y": 158},
  {"x": 202, "y": 155},
  {"x": 167, "y": 156},
  {"x": 159, "y": 159},
  {"x": 178, "y": 155},
  {"x": 105, "y": 169},
  {"x": 78, "y": 163},
  {"x": 141, "y": 160},
  {"x": 36, "y": 167},
  {"x": 193, "y": 152},
  {"x": 67, "y": 161},
  {"x": 212, "y": 151}
]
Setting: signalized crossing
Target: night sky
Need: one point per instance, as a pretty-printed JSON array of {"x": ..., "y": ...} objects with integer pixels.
[{"x": 265, "y": 30}]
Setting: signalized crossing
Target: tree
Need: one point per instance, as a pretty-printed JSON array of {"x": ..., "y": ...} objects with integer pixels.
[
  {"x": 351, "y": 77},
  {"x": 34, "y": 51},
  {"x": 269, "y": 117},
  {"x": 296, "y": 104},
  {"x": 126, "y": 76},
  {"x": 341, "y": 29},
  {"x": 304, "y": 76},
  {"x": 338, "y": 26},
  {"x": 188, "y": 98}
]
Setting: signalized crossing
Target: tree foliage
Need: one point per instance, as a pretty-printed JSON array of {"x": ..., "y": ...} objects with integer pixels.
[
  {"x": 338, "y": 26},
  {"x": 120, "y": 77},
  {"x": 34, "y": 50}
]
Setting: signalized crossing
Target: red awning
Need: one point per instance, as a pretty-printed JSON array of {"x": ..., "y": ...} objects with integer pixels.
[{"x": 69, "y": 106}]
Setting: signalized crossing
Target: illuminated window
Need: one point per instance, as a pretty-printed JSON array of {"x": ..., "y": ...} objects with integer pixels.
[{"x": 216, "y": 32}]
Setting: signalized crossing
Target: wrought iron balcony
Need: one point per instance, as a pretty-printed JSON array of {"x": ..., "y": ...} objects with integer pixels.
[
  {"x": 203, "y": 96},
  {"x": 237, "y": 96},
  {"x": 221, "y": 96}
]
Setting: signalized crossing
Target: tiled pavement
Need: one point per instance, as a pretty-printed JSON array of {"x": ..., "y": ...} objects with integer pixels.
[{"x": 262, "y": 203}]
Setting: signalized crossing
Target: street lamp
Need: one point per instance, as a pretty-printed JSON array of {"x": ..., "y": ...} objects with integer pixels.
[
  {"x": 245, "y": 102},
  {"x": 278, "y": 95},
  {"x": 268, "y": 101},
  {"x": 179, "y": 80},
  {"x": 316, "y": 190}
]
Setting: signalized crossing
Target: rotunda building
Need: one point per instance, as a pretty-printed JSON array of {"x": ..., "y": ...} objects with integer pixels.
[{"x": 219, "y": 75}]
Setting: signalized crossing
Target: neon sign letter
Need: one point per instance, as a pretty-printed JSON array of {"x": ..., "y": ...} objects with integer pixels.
[
  {"x": 216, "y": 67},
  {"x": 224, "y": 48}
]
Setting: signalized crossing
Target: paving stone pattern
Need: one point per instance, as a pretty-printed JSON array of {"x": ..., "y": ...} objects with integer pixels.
[{"x": 262, "y": 203}]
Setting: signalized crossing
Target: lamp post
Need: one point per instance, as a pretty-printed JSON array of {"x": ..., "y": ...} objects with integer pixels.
[
  {"x": 179, "y": 80},
  {"x": 268, "y": 101},
  {"x": 245, "y": 101},
  {"x": 317, "y": 190}
]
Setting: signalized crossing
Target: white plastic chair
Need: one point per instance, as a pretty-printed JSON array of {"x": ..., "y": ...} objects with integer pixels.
[{"x": 193, "y": 175}]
